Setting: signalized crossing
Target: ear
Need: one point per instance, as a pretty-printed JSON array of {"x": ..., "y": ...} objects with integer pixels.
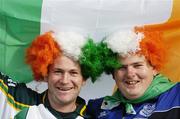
[
  {"x": 155, "y": 72},
  {"x": 84, "y": 82},
  {"x": 45, "y": 79}
]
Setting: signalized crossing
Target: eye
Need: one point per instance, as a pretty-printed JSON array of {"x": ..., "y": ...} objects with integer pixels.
[
  {"x": 138, "y": 65},
  {"x": 74, "y": 73},
  {"x": 57, "y": 71}
]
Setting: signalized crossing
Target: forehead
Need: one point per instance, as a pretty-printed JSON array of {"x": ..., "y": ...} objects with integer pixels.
[
  {"x": 133, "y": 58},
  {"x": 65, "y": 62}
]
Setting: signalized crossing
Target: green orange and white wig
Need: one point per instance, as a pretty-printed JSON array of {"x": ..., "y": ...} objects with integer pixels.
[
  {"x": 147, "y": 43},
  {"x": 47, "y": 47}
]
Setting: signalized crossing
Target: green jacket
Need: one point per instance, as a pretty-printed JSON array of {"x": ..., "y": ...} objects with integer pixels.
[
  {"x": 15, "y": 97},
  {"x": 45, "y": 111}
]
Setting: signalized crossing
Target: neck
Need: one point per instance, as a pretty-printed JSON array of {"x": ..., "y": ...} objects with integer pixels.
[{"x": 63, "y": 107}]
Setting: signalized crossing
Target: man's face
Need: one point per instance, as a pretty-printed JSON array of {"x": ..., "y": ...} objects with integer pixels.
[
  {"x": 134, "y": 77},
  {"x": 64, "y": 81}
]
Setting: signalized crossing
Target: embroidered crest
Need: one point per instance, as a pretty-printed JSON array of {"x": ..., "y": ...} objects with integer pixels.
[
  {"x": 11, "y": 82},
  {"x": 102, "y": 114},
  {"x": 79, "y": 117},
  {"x": 147, "y": 110}
]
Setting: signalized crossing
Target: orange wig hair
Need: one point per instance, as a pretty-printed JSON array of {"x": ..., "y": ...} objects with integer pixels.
[
  {"x": 41, "y": 54},
  {"x": 153, "y": 48}
]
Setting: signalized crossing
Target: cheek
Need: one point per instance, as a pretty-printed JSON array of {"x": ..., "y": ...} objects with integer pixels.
[
  {"x": 78, "y": 82},
  {"x": 143, "y": 73},
  {"x": 118, "y": 75},
  {"x": 146, "y": 75},
  {"x": 52, "y": 79}
]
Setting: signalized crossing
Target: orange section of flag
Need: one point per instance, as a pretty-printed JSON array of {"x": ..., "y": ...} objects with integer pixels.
[
  {"x": 171, "y": 31},
  {"x": 172, "y": 37}
]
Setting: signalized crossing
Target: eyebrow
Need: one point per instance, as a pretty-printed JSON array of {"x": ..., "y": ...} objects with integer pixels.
[
  {"x": 60, "y": 69},
  {"x": 140, "y": 62},
  {"x": 134, "y": 63}
]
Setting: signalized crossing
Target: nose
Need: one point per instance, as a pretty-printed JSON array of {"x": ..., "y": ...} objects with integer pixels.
[
  {"x": 130, "y": 72},
  {"x": 65, "y": 78}
]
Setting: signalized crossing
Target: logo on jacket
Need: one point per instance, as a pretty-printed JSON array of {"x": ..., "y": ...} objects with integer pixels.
[
  {"x": 79, "y": 117},
  {"x": 102, "y": 114},
  {"x": 147, "y": 110},
  {"x": 11, "y": 82}
]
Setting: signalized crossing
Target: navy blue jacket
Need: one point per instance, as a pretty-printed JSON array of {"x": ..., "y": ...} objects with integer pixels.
[{"x": 165, "y": 106}]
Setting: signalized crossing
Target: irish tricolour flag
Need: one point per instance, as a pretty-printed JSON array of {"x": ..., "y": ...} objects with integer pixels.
[{"x": 22, "y": 20}]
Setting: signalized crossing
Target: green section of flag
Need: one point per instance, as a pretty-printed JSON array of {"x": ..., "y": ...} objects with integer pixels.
[{"x": 19, "y": 25}]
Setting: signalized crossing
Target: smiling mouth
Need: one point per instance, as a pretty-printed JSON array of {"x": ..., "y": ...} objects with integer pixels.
[
  {"x": 132, "y": 82},
  {"x": 64, "y": 88}
]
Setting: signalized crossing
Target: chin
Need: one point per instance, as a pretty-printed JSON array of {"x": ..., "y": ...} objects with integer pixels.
[
  {"x": 64, "y": 98},
  {"x": 134, "y": 95},
  {"x": 65, "y": 101}
]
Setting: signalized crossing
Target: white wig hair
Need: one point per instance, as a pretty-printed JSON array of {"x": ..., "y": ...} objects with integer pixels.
[
  {"x": 124, "y": 42},
  {"x": 70, "y": 43}
]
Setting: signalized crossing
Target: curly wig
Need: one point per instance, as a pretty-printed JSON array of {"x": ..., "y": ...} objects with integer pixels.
[
  {"x": 148, "y": 43},
  {"x": 153, "y": 48},
  {"x": 41, "y": 54},
  {"x": 90, "y": 61},
  {"x": 45, "y": 49}
]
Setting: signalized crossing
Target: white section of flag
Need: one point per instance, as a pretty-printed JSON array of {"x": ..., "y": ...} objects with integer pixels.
[{"x": 97, "y": 18}]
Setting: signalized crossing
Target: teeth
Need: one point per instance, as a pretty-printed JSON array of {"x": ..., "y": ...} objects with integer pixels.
[
  {"x": 64, "y": 89},
  {"x": 131, "y": 82}
]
